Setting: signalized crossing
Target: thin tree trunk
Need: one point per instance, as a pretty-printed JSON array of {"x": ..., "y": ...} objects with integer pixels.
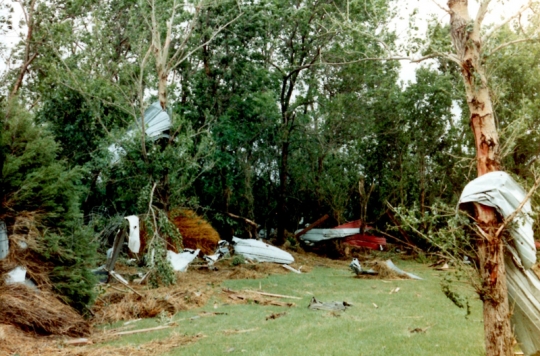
[
  {"x": 282, "y": 198},
  {"x": 467, "y": 42}
]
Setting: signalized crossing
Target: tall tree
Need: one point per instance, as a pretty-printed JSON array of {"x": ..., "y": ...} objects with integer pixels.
[{"x": 466, "y": 33}]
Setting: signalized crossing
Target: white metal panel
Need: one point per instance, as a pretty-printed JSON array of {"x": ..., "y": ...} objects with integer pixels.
[
  {"x": 315, "y": 235},
  {"x": 260, "y": 251},
  {"x": 500, "y": 191}
]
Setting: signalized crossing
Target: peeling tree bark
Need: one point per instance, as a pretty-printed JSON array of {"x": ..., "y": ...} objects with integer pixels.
[{"x": 467, "y": 42}]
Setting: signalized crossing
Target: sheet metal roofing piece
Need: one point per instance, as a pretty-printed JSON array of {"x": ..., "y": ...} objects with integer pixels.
[
  {"x": 498, "y": 190},
  {"x": 156, "y": 122},
  {"x": 316, "y": 235},
  {"x": 259, "y": 251}
]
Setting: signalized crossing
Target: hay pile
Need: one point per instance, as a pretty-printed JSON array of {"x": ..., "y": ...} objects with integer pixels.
[
  {"x": 39, "y": 311},
  {"x": 196, "y": 232},
  {"x": 115, "y": 306}
]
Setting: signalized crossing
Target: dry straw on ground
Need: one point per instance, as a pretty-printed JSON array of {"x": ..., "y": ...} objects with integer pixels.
[
  {"x": 193, "y": 289},
  {"x": 116, "y": 306},
  {"x": 34, "y": 309},
  {"x": 13, "y": 342},
  {"x": 39, "y": 311}
]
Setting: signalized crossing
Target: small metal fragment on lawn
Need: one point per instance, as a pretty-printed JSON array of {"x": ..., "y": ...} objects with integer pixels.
[
  {"x": 222, "y": 251},
  {"x": 393, "y": 267},
  {"x": 329, "y": 306},
  {"x": 357, "y": 268}
]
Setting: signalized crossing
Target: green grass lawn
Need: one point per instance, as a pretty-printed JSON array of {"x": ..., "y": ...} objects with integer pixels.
[{"x": 417, "y": 320}]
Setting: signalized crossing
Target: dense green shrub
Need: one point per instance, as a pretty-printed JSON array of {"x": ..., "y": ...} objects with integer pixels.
[{"x": 34, "y": 182}]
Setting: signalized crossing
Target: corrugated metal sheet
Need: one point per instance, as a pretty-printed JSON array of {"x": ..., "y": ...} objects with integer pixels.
[
  {"x": 156, "y": 120},
  {"x": 500, "y": 191}
]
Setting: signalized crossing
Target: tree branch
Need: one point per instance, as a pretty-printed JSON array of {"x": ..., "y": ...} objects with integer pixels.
[
  {"x": 219, "y": 30},
  {"x": 499, "y": 47},
  {"x": 496, "y": 28},
  {"x": 481, "y": 13}
]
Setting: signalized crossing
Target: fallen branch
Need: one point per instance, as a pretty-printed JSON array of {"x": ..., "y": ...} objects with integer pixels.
[
  {"x": 114, "y": 274},
  {"x": 142, "y": 330},
  {"x": 291, "y": 269},
  {"x": 315, "y": 224},
  {"x": 272, "y": 294},
  {"x": 253, "y": 224}
]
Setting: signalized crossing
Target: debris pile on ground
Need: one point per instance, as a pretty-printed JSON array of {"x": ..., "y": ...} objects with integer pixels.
[
  {"x": 356, "y": 267},
  {"x": 114, "y": 306},
  {"x": 27, "y": 277},
  {"x": 196, "y": 232},
  {"x": 260, "y": 298},
  {"x": 40, "y": 312},
  {"x": 15, "y": 342}
]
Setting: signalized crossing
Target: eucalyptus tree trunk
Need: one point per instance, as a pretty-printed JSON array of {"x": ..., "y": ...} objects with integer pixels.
[{"x": 466, "y": 39}]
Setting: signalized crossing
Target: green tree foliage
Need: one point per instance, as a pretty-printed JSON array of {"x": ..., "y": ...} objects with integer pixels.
[{"x": 33, "y": 181}]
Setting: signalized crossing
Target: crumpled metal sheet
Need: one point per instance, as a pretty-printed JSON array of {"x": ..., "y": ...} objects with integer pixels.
[
  {"x": 328, "y": 306},
  {"x": 181, "y": 261},
  {"x": 524, "y": 298},
  {"x": 316, "y": 235},
  {"x": 156, "y": 120},
  {"x": 260, "y": 251},
  {"x": 500, "y": 191}
]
